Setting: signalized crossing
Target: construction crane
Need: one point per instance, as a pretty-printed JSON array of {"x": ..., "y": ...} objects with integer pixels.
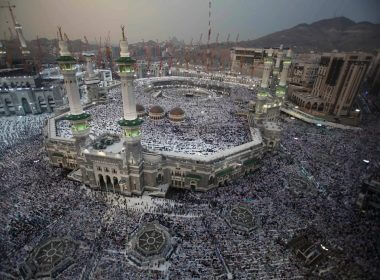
[
  {"x": 208, "y": 52},
  {"x": 18, "y": 28},
  {"x": 216, "y": 52},
  {"x": 159, "y": 54},
  {"x": 108, "y": 51},
  {"x": 39, "y": 54},
  {"x": 99, "y": 57},
  {"x": 148, "y": 55},
  {"x": 171, "y": 54},
  {"x": 200, "y": 39}
]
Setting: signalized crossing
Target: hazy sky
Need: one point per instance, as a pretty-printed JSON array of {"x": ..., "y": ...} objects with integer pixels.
[{"x": 161, "y": 19}]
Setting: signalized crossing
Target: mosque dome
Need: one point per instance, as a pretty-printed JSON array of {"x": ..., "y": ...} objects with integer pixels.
[
  {"x": 177, "y": 111},
  {"x": 140, "y": 110},
  {"x": 176, "y": 114},
  {"x": 156, "y": 112}
]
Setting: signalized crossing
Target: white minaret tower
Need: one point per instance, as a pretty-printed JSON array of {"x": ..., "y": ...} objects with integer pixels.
[
  {"x": 276, "y": 69},
  {"x": 130, "y": 123},
  {"x": 127, "y": 72},
  {"x": 78, "y": 119},
  {"x": 284, "y": 73},
  {"x": 289, "y": 53},
  {"x": 267, "y": 69},
  {"x": 91, "y": 80}
]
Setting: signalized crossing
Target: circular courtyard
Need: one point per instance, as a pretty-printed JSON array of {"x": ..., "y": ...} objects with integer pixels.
[
  {"x": 211, "y": 121},
  {"x": 151, "y": 243},
  {"x": 49, "y": 259},
  {"x": 241, "y": 218}
]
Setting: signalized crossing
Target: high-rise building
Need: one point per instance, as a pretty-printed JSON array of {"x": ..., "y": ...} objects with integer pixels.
[
  {"x": 304, "y": 69},
  {"x": 338, "y": 82},
  {"x": 374, "y": 76},
  {"x": 340, "y": 76}
]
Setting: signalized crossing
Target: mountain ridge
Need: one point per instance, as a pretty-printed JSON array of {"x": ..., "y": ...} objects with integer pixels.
[{"x": 338, "y": 33}]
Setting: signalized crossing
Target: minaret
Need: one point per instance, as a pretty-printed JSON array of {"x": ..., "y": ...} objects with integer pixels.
[
  {"x": 289, "y": 53},
  {"x": 130, "y": 123},
  {"x": 280, "y": 94},
  {"x": 267, "y": 68},
  {"x": 284, "y": 73},
  {"x": 260, "y": 107},
  {"x": 77, "y": 118},
  {"x": 278, "y": 62},
  {"x": 91, "y": 80}
]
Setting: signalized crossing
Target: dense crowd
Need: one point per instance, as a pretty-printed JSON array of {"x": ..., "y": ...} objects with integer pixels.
[
  {"x": 38, "y": 202},
  {"x": 17, "y": 129},
  {"x": 211, "y": 123}
]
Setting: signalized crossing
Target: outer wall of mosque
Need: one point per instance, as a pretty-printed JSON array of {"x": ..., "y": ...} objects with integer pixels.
[{"x": 118, "y": 168}]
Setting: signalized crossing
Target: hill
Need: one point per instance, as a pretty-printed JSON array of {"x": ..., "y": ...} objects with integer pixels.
[{"x": 338, "y": 33}]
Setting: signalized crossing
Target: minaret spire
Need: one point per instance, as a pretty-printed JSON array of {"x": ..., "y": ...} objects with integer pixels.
[
  {"x": 60, "y": 33},
  {"x": 122, "y": 32}
]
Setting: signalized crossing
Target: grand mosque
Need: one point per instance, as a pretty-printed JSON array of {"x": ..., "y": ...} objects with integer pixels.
[{"x": 120, "y": 161}]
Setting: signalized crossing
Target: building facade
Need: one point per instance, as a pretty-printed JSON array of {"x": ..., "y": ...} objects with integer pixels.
[
  {"x": 250, "y": 61},
  {"x": 339, "y": 80}
]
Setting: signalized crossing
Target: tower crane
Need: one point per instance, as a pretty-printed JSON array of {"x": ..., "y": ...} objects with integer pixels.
[
  {"x": 99, "y": 57},
  {"x": 159, "y": 53},
  {"x": 18, "y": 28},
  {"x": 108, "y": 52},
  {"x": 39, "y": 56}
]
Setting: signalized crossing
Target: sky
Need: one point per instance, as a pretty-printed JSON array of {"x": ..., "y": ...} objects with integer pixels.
[{"x": 185, "y": 19}]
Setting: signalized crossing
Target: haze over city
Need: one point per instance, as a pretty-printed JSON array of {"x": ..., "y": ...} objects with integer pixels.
[{"x": 161, "y": 19}]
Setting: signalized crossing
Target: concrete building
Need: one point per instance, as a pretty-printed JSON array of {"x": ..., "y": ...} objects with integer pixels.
[
  {"x": 250, "y": 61},
  {"x": 304, "y": 69},
  {"x": 374, "y": 76},
  {"x": 22, "y": 93},
  {"x": 340, "y": 76}
]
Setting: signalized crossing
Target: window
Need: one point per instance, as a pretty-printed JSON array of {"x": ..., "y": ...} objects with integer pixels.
[
  {"x": 99, "y": 168},
  {"x": 114, "y": 171}
]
